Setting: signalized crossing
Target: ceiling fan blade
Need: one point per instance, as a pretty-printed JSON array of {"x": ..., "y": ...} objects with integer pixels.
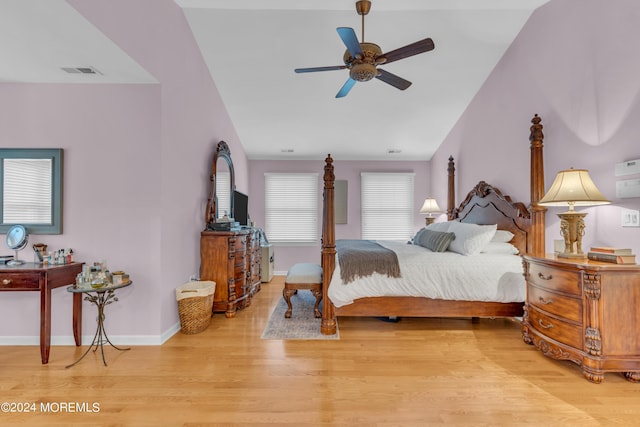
[
  {"x": 393, "y": 80},
  {"x": 350, "y": 40},
  {"x": 408, "y": 50},
  {"x": 344, "y": 90},
  {"x": 314, "y": 69}
]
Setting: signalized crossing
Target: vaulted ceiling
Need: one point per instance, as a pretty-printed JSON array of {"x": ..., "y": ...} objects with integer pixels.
[{"x": 252, "y": 47}]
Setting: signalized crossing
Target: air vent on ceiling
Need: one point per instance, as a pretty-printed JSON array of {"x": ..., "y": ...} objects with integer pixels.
[
  {"x": 81, "y": 70},
  {"x": 287, "y": 150},
  {"x": 394, "y": 151}
]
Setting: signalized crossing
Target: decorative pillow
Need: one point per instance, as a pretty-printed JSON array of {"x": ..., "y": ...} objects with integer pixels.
[
  {"x": 470, "y": 238},
  {"x": 436, "y": 241},
  {"x": 502, "y": 236},
  {"x": 500, "y": 248},
  {"x": 416, "y": 237}
]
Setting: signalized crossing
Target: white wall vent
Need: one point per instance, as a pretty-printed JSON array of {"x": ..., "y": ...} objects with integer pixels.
[
  {"x": 630, "y": 167},
  {"x": 81, "y": 70},
  {"x": 628, "y": 188}
]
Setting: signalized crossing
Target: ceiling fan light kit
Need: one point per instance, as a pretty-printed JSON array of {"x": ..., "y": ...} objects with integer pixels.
[{"x": 362, "y": 58}]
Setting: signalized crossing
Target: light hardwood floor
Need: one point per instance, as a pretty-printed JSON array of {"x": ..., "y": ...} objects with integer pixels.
[{"x": 417, "y": 372}]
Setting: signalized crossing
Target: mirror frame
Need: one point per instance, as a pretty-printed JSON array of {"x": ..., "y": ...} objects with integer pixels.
[
  {"x": 56, "y": 155},
  {"x": 222, "y": 152}
]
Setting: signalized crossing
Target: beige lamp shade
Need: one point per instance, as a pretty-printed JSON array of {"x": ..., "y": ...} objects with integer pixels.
[
  {"x": 573, "y": 187},
  {"x": 430, "y": 206}
]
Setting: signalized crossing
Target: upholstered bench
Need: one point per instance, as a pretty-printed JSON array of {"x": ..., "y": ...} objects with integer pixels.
[{"x": 303, "y": 275}]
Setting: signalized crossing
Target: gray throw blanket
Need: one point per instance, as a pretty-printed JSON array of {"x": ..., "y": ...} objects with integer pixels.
[{"x": 361, "y": 258}]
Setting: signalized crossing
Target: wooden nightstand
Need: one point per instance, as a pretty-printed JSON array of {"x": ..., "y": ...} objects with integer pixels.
[{"x": 584, "y": 311}]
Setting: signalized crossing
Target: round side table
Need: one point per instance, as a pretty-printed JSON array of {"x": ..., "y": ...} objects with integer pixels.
[{"x": 101, "y": 297}]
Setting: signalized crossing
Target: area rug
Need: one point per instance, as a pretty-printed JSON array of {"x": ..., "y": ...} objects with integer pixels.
[{"x": 301, "y": 326}]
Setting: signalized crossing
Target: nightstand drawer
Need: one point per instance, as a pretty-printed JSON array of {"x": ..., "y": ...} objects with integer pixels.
[
  {"x": 560, "y": 305},
  {"x": 19, "y": 281},
  {"x": 555, "y": 279},
  {"x": 557, "y": 329}
]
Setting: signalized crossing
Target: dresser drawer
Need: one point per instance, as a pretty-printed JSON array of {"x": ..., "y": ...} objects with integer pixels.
[
  {"x": 238, "y": 243},
  {"x": 555, "y": 279},
  {"x": 560, "y": 305},
  {"x": 555, "y": 328},
  {"x": 19, "y": 281}
]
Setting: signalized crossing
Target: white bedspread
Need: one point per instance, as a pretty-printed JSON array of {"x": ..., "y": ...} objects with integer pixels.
[{"x": 445, "y": 275}]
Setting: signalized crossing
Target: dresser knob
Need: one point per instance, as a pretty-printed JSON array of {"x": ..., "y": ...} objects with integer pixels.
[
  {"x": 543, "y": 277},
  {"x": 6, "y": 281},
  {"x": 549, "y": 326}
]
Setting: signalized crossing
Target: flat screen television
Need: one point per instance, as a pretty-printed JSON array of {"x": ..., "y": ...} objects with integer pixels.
[{"x": 240, "y": 208}]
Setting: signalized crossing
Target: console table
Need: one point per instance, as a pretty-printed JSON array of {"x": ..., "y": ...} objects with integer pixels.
[{"x": 35, "y": 277}]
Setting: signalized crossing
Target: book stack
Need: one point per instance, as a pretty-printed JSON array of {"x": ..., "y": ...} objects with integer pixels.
[{"x": 613, "y": 255}]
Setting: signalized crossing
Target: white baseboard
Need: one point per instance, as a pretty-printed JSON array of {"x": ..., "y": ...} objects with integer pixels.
[{"x": 86, "y": 339}]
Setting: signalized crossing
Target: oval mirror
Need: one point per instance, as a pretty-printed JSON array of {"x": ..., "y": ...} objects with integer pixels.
[
  {"x": 222, "y": 185},
  {"x": 16, "y": 239}
]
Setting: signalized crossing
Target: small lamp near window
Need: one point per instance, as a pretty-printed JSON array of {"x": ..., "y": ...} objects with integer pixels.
[
  {"x": 430, "y": 207},
  {"x": 573, "y": 187}
]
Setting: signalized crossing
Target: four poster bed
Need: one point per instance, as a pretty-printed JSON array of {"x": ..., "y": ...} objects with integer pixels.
[{"x": 484, "y": 205}]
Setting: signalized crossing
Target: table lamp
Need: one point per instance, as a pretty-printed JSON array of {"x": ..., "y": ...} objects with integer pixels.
[
  {"x": 430, "y": 207},
  {"x": 573, "y": 187}
]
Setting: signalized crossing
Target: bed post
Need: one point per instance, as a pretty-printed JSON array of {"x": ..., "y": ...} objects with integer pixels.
[
  {"x": 451, "y": 190},
  {"x": 328, "y": 326},
  {"x": 536, "y": 247}
]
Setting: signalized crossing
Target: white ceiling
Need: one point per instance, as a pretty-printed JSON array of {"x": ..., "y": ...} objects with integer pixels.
[
  {"x": 252, "y": 47},
  {"x": 40, "y": 37}
]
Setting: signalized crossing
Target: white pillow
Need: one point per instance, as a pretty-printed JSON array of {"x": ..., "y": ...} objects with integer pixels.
[
  {"x": 502, "y": 236},
  {"x": 470, "y": 238},
  {"x": 439, "y": 226},
  {"x": 500, "y": 248}
]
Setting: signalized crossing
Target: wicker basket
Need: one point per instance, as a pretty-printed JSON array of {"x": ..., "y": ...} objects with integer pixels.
[{"x": 195, "y": 302}]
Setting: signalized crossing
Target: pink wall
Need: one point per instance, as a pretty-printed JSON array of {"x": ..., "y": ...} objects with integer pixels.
[
  {"x": 574, "y": 63},
  {"x": 285, "y": 256},
  {"x": 137, "y": 157},
  {"x": 137, "y": 161}
]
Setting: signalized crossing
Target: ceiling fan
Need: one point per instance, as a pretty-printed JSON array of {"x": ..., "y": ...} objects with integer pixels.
[{"x": 362, "y": 58}]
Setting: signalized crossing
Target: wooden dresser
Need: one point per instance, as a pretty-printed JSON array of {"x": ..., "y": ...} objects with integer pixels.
[
  {"x": 232, "y": 260},
  {"x": 584, "y": 311}
]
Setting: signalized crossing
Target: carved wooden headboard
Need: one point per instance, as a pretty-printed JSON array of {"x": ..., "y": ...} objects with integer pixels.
[{"x": 486, "y": 204}]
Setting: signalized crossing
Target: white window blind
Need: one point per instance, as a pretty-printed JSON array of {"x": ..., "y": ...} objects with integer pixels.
[
  {"x": 291, "y": 207},
  {"x": 27, "y": 191},
  {"x": 386, "y": 201}
]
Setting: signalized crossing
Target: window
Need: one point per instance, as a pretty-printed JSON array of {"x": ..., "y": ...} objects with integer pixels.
[
  {"x": 291, "y": 207},
  {"x": 31, "y": 189},
  {"x": 386, "y": 201}
]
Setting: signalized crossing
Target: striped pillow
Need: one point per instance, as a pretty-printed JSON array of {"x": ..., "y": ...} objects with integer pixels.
[{"x": 436, "y": 241}]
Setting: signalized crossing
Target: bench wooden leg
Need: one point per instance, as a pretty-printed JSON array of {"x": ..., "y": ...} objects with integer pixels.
[
  {"x": 286, "y": 293},
  {"x": 318, "y": 294}
]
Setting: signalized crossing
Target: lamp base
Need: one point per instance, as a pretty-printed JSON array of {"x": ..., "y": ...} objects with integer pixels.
[{"x": 572, "y": 229}]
